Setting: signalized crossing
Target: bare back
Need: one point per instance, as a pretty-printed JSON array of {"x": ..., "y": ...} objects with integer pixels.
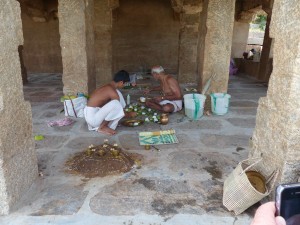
[
  {"x": 103, "y": 95},
  {"x": 170, "y": 87}
]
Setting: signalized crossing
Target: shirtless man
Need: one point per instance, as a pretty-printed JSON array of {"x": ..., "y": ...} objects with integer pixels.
[
  {"x": 105, "y": 106},
  {"x": 171, "y": 100}
]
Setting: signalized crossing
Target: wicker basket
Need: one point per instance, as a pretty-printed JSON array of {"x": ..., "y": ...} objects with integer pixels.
[{"x": 238, "y": 192}]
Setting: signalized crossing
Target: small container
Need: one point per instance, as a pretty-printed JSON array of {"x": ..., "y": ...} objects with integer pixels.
[
  {"x": 164, "y": 119},
  {"x": 142, "y": 99},
  {"x": 128, "y": 99},
  {"x": 147, "y": 147},
  {"x": 80, "y": 94}
]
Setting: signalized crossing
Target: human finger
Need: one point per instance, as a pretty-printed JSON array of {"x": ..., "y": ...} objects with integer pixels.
[
  {"x": 265, "y": 215},
  {"x": 280, "y": 221}
]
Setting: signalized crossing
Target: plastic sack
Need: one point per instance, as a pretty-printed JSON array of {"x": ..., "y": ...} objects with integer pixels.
[{"x": 74, "y": 107}]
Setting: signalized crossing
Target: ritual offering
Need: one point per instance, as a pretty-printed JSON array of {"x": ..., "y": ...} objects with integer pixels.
[
  {"x": 132, "y": 123},
  {"x": 164, "y": 119},
  {"x": 144, "y": 114},
  {"x": 102, "y": 160},
  {"x": 142, "y": 99}
]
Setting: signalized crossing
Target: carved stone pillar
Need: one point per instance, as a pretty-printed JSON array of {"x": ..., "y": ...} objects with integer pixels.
[
  {"x": 77, "y": 45},
  {"x": 277, "y": 134},
  {"x": 215, "y": 46},
  {"x": 18, "y": 162}
]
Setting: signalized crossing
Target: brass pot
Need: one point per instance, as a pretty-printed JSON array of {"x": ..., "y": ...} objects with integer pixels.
[{"x": 164, "y": 118}]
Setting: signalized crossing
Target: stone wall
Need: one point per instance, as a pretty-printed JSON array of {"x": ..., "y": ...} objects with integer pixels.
[
  {"x": 277, "y": 134},
  {"x": 145, "y": 33},
  {"x": 18, "y": 162},
  {"x": 42, "y": 52}
]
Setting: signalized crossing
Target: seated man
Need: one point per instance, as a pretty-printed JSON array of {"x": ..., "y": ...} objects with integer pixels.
[
  {"x": 171, "y": 100},
  {"x": 105, "y": 106}
]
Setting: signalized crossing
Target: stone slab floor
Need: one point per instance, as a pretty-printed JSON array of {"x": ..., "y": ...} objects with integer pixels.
[{"x": 180, "y": 184}]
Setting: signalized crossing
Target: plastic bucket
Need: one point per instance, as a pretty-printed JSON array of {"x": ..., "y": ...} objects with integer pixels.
[
  {"x": 194, "y": 105},
  {"x": 219, "y": 103}
]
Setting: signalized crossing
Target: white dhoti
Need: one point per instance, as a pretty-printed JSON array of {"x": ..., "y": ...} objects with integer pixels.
[
  {"x": 177, "y": 104},
  {"x": 111, "y": 111}
]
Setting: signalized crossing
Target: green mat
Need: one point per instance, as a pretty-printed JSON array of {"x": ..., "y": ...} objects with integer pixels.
[{"x": 158, "y": 137}]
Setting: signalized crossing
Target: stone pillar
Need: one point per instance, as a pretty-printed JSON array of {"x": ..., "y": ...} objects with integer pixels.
[
  {"x": 103, "y": 41},
  {"x": 77, "y": 45},
  {"x": 188, "y": 41},
  {"x": 18, "y": 162},
  {"x": 277, "y": 135},
  {"x": 264, "y": 73},
  {"x": 239, "y": 39},
  {"x": 215, "y": 49}
]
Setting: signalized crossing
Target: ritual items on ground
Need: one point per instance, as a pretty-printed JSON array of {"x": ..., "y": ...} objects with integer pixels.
[
  {"x": 144, "y": 114},
  {"x": 132, "y": 123},
  {"x": 158, "y": 137},
  {"x": 190, "y": 89},
  {"x": 142, "y": 99},
  {"x": 164, "y": 118},
  {"x": 102, "y": 160}
]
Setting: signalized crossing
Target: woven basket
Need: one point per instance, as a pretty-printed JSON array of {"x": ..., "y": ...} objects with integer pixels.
[{"x": 238, "y": 192}]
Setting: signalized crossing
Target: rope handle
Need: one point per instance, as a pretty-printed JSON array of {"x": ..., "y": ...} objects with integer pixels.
[
  {"x": 250, "y": 166},
  {"x": 273, "y": 176},
  {"x": 72, "y": 106},
  {"x": 65, "y": 104}
]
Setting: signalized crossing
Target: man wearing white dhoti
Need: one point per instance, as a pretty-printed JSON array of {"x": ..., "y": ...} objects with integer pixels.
[
  {"x": 105, "y": 106},
  {"x": 171, "y": 99}
]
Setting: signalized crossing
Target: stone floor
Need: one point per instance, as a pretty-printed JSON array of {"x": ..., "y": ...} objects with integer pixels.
[{"x": 180, "y": 184}]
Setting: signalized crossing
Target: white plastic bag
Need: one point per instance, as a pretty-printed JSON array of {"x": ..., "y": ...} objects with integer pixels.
[{"x": 74, "y": 107}]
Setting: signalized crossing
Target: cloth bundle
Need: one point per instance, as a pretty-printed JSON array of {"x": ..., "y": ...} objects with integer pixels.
[{"x": 62, "y": 122}]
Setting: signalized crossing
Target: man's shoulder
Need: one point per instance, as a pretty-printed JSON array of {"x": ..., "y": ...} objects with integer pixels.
[
  {"x": 106, "y": 87},
  {"x": 171, "y": 78}
]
